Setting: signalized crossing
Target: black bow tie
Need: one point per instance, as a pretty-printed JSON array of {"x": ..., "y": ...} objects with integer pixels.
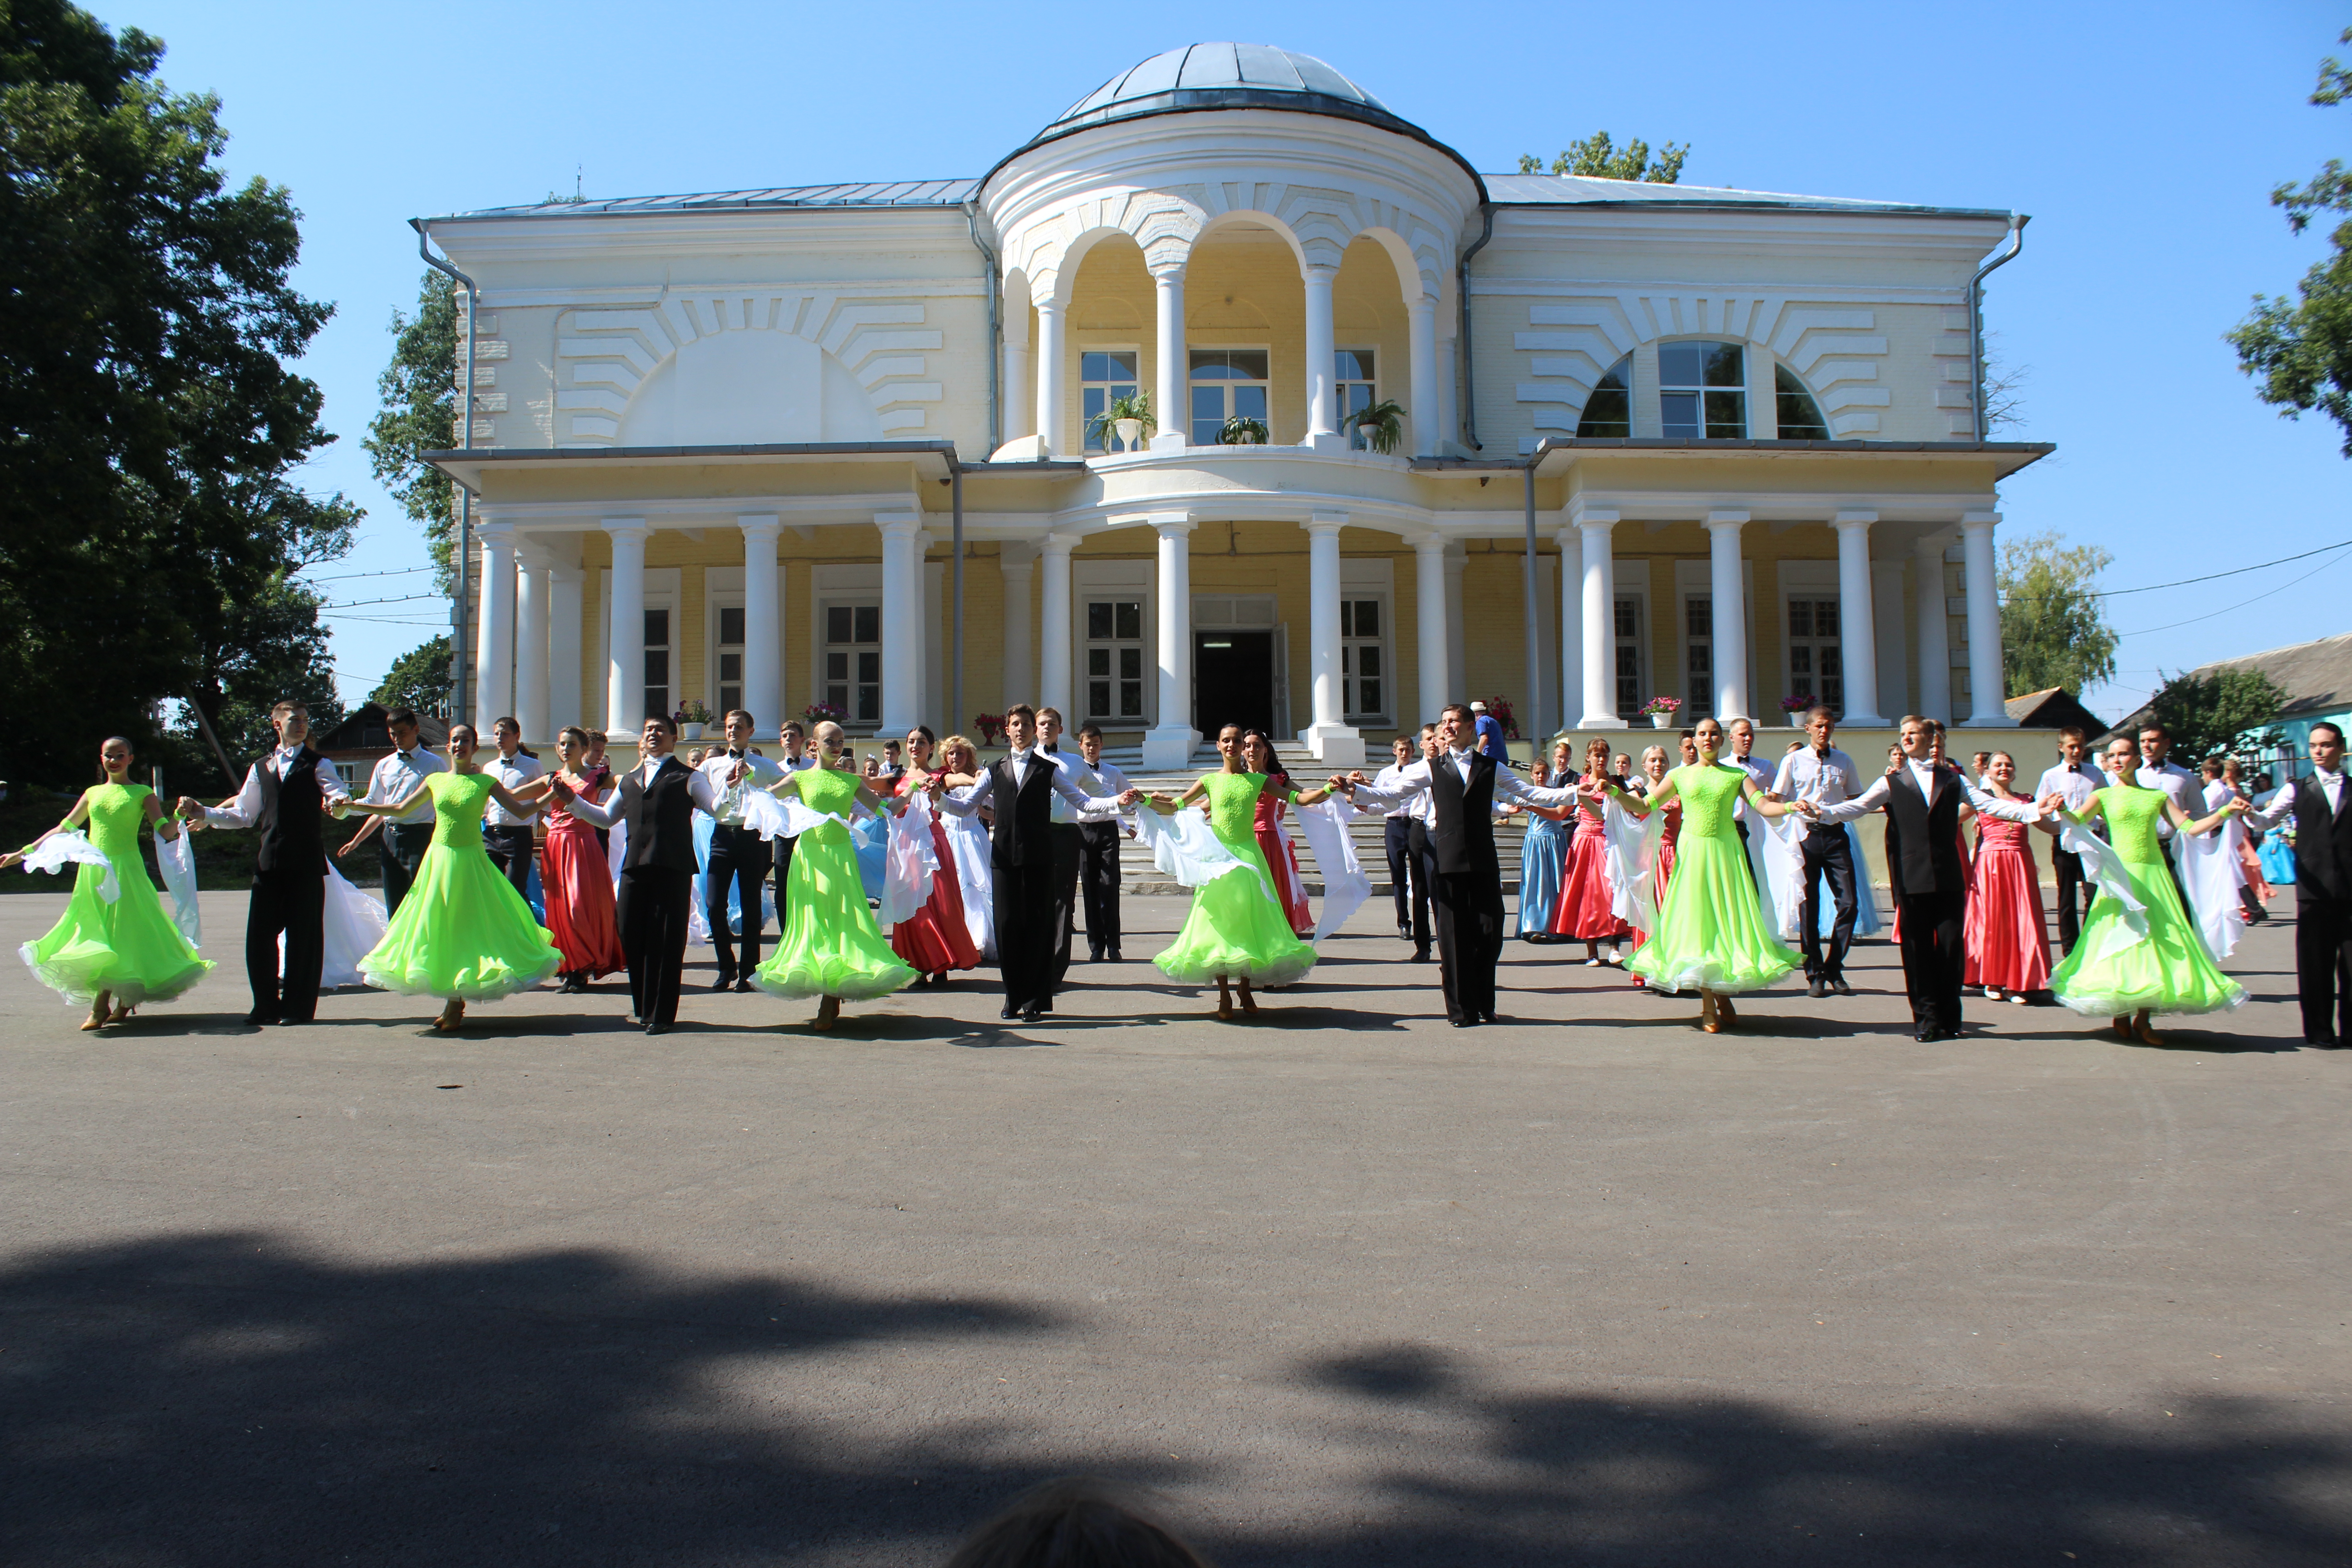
[{"x": 731, "y": 752}]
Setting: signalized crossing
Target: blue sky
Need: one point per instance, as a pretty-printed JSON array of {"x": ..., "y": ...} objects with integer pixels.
[{"x": 2144, "y": 140}]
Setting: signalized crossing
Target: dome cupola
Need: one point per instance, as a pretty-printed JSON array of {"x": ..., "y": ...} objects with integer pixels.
[{"x": 1227, "y": 76}]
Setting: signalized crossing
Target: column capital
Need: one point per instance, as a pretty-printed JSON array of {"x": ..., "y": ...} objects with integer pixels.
[
  {"x": 1324, "y": 522},
  {"x": 532, "y": 555},
  {"x": 1317, "y": 272},
  {"x": 898, "y": 524},
  {"x": 1059, "y": 543},
  {"x": 1972, "y": 520},
  {"x": 560, "y": 572},
  {"x": 1170, "y": 524},
  {"x": 495, "y": 535},
  {"x": 1429, "y": 544},
  {"x": 1726, "y": 517},
  {"x": 1929, "y": 544},
  {"x": 1013, "y": 556},
  {"x": 1166, "y": 270},
  {"x": 1851, "y": 517},
  {"x": 760, "y": 524},
  {"x": 627, "y": 529}
]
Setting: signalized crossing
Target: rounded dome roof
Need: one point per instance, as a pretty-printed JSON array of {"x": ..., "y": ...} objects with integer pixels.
[{"x": 1226, "y": 75}]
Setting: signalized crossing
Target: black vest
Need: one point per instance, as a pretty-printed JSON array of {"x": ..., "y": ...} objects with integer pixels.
[
  {"x": 290, "y": 814},
  {"x": 2323, "y": 841},
  {"x": 660, "y": 818},
  {"x": 1463, "y": 838},
  {"x": 1023, "y": 805},
  {"x": 1923, "y": 840}
]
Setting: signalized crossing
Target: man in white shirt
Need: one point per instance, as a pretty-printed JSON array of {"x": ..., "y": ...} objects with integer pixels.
[
  {"x": 2321, "y": 809},
  {"x": 510, "y": 837},
  {"x": 1405, "y": 882},
  {"x": 2181, "y": 785},
  {"x": 1069, "y": 849},
  {"x": 1818, "y": 775},
  {"x": 1099, "y": 847},
  {"x": 2073, "y": 779},
  {"x": 740, "y": 857},
  {"x": 794, "y": 738},
  {"x": 396, "y": 777},
  {"x": 1742, "y": 732}
]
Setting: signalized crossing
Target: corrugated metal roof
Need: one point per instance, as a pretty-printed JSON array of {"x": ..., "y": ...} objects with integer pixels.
[
  {"x": 868, "y": 193},
  {"x": 1213, "y": 67},
  {"x": 1578, "y": 190}
]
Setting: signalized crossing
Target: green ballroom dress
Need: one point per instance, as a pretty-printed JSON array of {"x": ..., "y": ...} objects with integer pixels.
[
  {"x": 462, "y": 932},
  {"x": 1237, "y": 928},
  {"x": 830, "y": 946},
  {"x": 1710, "y": 932},
  {"x": 2124, "y": 962},
  {"x": 130, "y": 947}
]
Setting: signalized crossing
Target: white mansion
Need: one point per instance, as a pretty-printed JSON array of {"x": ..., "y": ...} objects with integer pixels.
[{"x": 846, "y": 445}]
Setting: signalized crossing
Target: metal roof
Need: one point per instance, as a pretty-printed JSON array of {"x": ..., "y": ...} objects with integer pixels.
[
  {"x": 1579, "y": 190},
  {"x": 868, "y": 193},
  {"x": 1210, "y": 75}
]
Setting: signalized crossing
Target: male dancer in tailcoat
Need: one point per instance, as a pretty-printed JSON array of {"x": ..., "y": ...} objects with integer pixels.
[{"x": 2323, "y": 886}]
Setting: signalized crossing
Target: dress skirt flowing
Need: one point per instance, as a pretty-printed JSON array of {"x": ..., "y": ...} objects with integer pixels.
[
  {"x": 462, "y": 932},
  {"x": 1237, "y": 928},
  {"x": 967, "y": 836},
  {"x": 1711, "y": 933},
  {"x": 1586, "y": 909},
  {"x": 1281, "y": 859},
  {"x": 2125, "y": 960},
  {"x": 580, "y": 916},
  {"x": 936, "y": 937},
  {"x": 830, "y": 945},
  {"x": 129, "y": 946},
  {"x": 2006, "y": 939},
  {"x": 1543, "y": 863}
]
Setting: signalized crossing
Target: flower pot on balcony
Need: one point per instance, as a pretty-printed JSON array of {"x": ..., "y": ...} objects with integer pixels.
[
  {"x": 691, "y": 731},
  {"x": 1661, "y": 721},
  {"x": 1131, "y": 432}
]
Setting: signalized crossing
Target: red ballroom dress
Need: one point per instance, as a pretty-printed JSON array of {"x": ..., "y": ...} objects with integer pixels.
[
  {"x": 1281, "y": 856},
  {"x": 936, "y": 937},
  {"x": 1586, "y": 909},
  {"x": 2007, "y": 945},
  {"x": 577, "y": 888}
]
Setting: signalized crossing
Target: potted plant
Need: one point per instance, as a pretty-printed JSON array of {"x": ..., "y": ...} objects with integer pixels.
[
  {"x": 1126, "y": 417},
  {"x": 817, "y": 713},
  {"x": 1498, "y": 708},
  {"x": 1662, "y": 711},
  {"x": 1792, "y": 706},
  {"x": 691, "y": 716},
  {"x": 990, "y": 726},
  {"x": 1241, "y": 430},
  {"x": 1382, "y": 423}
]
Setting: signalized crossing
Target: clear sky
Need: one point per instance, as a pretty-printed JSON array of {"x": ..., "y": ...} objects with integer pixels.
[{"x": 2143, "y": 139}]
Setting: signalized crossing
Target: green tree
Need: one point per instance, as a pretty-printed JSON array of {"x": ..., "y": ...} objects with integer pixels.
[
  {"x": 419, "y": 389},
  {"x": 149, "y": 425},
  {"x": 263, "y": 650},
  {"x": 1597, "y": 157},
  {"x": 2054, "y": 628},
  {"x": 2300, "y": 350},
  {"x": 2213, "y": 715},
  {"x": 419, "y": 679}
]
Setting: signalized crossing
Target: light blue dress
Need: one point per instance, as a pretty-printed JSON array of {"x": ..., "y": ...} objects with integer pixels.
[{"x": 1543, "y": 864}]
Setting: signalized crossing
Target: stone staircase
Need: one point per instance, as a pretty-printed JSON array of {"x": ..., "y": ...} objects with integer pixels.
[{"x": 1139, "y": 875}]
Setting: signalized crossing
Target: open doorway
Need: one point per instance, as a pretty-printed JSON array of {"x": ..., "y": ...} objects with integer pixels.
[{"x": 1232, "y": 680}]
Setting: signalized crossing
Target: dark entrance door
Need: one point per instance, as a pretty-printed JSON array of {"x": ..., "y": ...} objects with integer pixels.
[{"x": 1232, "y": 680}]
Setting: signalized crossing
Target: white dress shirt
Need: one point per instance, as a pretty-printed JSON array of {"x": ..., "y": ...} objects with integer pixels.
[
  {"x": 1413, "y": 784},
  {"x": 759, "y": 773},
  {"x": 1922, "y": 774},
  {"x": 1071, "y": 804},
  {"x": 399, "y": 775},
  {"x": 2282, "y": 801},
  {"x": 1096, "y": 779},
  {"x": 1387, "y": 779},
  {"x": 245, "y": 809},
  {"x": 2075, "y": 783},
  {"x": 1825, "y": 778},
  {"x": 698, "y": 787},
  {"x": 2181, "y": 787},
  {"x": 513, "y": 772}
]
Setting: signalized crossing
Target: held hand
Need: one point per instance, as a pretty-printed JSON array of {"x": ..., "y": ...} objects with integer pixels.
[
  {"x": 735, "y": 774},
  {"x": 1807, "y": 809},
  {"x": 561, "y": 791},
  {"x": 1129, "y": 797},
  {"x": 10, "y": 860},
  {"x": 345, "y": 847},
  {"x": 191, "y": 808}
]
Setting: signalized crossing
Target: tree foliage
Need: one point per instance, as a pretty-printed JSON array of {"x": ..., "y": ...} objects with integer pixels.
[
  {"x": 2228, "y": 710},
  {"x": 2300, "y": 350},
  {"x": 1597, "y": 157},
  {"x": 419, "y": 411},
  {"x": 269, "y": 648},
  {"x": 419, "y": 679},
  {"x": 149, "y": 425},
  {"x": 2053, "y": 627}
]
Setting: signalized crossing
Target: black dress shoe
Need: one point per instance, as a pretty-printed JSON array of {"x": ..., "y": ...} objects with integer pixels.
[
  {"x": 1115, "y": 958},
  {"x": 1817, "y": 989},
  {"x": 745, "y": 984},
  {"x": 1010, "y": 1012},
  {"x": 725, "y": 981},
  {"x": 1486, "y": 1018},
  {"x": 1405, "y": 933},
  {"x": 1838, "y": 985},
  {"x": 1094, "y": 955},
  {"x": 256, "y": 1020},
  {"x": 2328, "y": 1040},
  {"x": 1421, "y": 955},
  {"x": 1467, "y": 1021},
  {"x": 656, "y": 1028},
  {"x": 1032, "y": 1013}
]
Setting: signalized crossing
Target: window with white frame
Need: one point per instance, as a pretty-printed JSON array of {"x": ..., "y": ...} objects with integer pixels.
[
  {"x": 1363, "y": 659},
  {"x": 1226, "y": 383},
  {"x": 1702, "y": 391},
  {"x": 1800, "y": 417},
  {"x": 852, "y": 662},
  {"x": 727, "y": 659},
  {"x": 1609, "y": 411},
  {"x": 1114, "y": 654},
  {"x": 1816, "y": 665},
  {"x": 1357, "y": 390},
  {"x": 1105, "y": 375},
  {"x": 1699, "y": 654},
  {"x": 658, "y": 661},
  {"x": 1628, "y": 644}
]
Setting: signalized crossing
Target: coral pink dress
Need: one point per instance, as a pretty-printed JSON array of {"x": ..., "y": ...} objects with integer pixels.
[
  {"x": 2008, "y": 945},
  {"x": 1587, "y": 904},
  {"x": 935, "y": 938},
  {"x": 1281, "y": 855},
  {"x": 577, "y": 888}
]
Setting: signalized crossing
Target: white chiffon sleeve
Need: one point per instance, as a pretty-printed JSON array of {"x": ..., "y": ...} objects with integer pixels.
[
  {"x": 910, "y": 861},
  {"x": 177, "y": 857},
  {"x": 2105, "y": 867},
  {"x": 1632, "y": 863},
  {"x": 2208, "y": 874},
  {"x": 1345, "y": 886},
  {"x": 1186, "y": 848},
  {"x": 71, "y": 847}
]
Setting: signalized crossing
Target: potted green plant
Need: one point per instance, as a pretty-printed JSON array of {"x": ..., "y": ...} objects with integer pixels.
[
  {"x": 1382, "y": 423},
  {"x": 1662, "y": 711},
  {"x": 691, "y": 716},
  {"x": 1126, "y": 417},
  {"x": 1241, "y": 430}
]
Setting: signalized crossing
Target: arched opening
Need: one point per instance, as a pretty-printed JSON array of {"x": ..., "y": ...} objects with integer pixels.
[
  {"x": 1109, "y": 337},
  {"x": 1702, "y": 390},
  {"x": 1800, "y": 417},
  {"x": 1245, "y": 325},
  {"x": 1368, "y": 334},
  {"x": 1609, "y": 411}
]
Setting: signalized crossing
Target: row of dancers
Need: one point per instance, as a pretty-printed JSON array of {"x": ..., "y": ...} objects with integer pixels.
[{"x": 1694, "y": 911}]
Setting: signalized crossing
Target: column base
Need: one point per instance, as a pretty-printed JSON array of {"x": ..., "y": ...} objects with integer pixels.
[
  {"x": 1327, "y": 441},
  {"x": 1987, "y": 722},
  {"x": 1341, "y": 745},
  {"x": 1170, "y": 746},
  {"x": 1169, "y": 441},
  {"x": 1871, "y": 722},
  {"x": 1606, "y": 721}
]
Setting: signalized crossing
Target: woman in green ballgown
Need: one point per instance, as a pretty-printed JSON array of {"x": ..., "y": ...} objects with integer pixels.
[
  {"x": 462, "y": 932},
  {"x": 1238, "y": 932},
  {"x": 1711, "y": 933},
  {"x": 115, "y": 955},
  {"x": 2126, "y": 966},
  {"x": 831, "y": 948}
]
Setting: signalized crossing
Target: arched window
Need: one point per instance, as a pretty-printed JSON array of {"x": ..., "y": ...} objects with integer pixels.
[
  {"x": 1801, "y": 416},
  {"x": 1610, "y": 410},
  {"x": 1702, "y": 391}
]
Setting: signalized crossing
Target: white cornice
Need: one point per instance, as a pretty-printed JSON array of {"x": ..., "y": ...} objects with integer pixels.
[
  {"x": 1610, "y": 288},
  {"x": 629, "y": 294},
  {"x": 801, "y": 231}
]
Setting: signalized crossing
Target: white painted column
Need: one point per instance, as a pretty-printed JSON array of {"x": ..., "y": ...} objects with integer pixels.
[
  {"x": 1429, "y": 598},
  {"x": 494, "y": 627},
  {"x": 1421, "y": 317},
  {"x": 1049, "y": 380},
  {"x": 1449, "y": 387},
  {"x": 1597, "y": 620},
  {"x": 530, "y": 643},
  {"x": 764, "y": 675},
  {"x": 902, "y": 606},
  {"x": 1987, "y": 684},
  {"x": 1857, "y": 620},
  {"x": 1053, "y": 623},
  {"x": 1169, "y": 744},
  {"x": 1174, "y": 368},
  {"x": 1019, "y": 566},
  {"x": 624, "y": 638},
  {"x": 1457, "y": 640},
  {"x": 564, "y": 624},
  {"x": 1329, "y": 737},
  {"x": 1322, "y": 355},
  {"x": 1935, "y": 635},
  {"x": 1571, "y": 624},
  {"x": 1020, "y": 408},
  {"x": 1728, "y": 590}
]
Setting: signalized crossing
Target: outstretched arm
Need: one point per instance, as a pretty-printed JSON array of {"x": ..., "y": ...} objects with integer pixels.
[
  {"x": 416, "y": 798},
  {"x": 2203, "y": 825},
  {"x": 1762, "y": 799},
  {"x": 166, "y": 829},
  {"x": 73, "y": 819}
]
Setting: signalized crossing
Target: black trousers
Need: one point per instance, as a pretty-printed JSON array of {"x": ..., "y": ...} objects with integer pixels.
[
  {"x": 1068, "y": 854},
  {"x": 1023, "y": 896},
  {"x": 1469, "y": 941},
  {"x": 654, "y": 903},
  {"x": 1934, "y": 955},
  {"x": 2075, "y": 892},
  {"x": 1099, "y": 883},
  {"x": 511, "y": 849},
  {"x": 1741, "y": 823},
  {"x": 1424, "y": 882},
  {"x": 1408, "y": 886},
  {"x": 740, "y": 856},
  {"x": 2323, "y": 965},
  {"x": 783, "y": 852},
  {"x": 1828, "y": 853},
  {"x": 292, "y": 902},
  {"x": 401, "y": 850}
]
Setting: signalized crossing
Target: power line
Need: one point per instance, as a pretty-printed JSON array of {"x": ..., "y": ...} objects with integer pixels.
[
  {"x": 2257, "y": 599},
  {"x": 357, "y": 603},
  {"x": 345, "y": 576},
  {"x": 2235, "y": 571}
]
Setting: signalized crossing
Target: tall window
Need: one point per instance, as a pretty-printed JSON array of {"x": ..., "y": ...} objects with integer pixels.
[
  {"x": 1702, "y": 391},
  {"x": 658, "y": 661},
  {"x": 1363, "y": 665},
  {"x": 1816, "y": 667},
  {"x": 1799, "y": 417},
  {"x": 730, "y": 659},
  {"x": 1103, "y": 377},
  {"x": 1115, "y": 660},
  {"x": 1355, "y": 384},
  {"x": 1610, "y": 410},
  {"x": 1699, "y": 654},
  {"x": 1226, "y": 382},
  {"x": 1629, "y": 655},
  {"x": 853, "y": 661}
]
